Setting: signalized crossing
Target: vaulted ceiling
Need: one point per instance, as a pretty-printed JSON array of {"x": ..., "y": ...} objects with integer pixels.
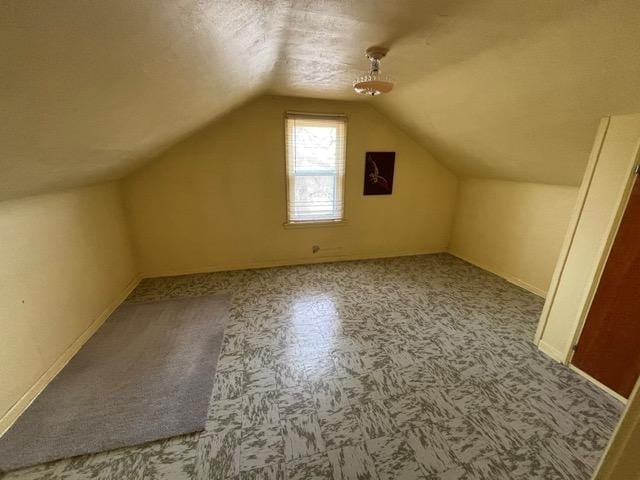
[{"x": 507, "y": 89}]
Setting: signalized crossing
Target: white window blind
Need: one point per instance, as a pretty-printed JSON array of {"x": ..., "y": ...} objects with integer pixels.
[{"x": 315, "y": 149}]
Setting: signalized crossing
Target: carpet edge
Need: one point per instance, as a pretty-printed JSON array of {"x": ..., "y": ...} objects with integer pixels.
[{"x": 19, "y": 407}]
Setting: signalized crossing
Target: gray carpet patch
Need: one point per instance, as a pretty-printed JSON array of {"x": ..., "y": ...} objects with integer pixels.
[{"x": 146, "y": 374}]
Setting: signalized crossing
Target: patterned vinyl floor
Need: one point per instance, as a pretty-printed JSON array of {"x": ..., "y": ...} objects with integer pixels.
[{"x": 407, "y": 368}]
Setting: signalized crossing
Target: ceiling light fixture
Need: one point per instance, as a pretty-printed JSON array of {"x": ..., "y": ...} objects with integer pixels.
[{"x": 374, "y": 82}]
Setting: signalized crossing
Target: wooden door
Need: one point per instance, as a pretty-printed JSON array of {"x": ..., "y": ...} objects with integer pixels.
[{"x": 609, "y": 346}]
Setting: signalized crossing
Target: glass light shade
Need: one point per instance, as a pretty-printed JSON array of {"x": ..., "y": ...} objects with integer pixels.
[{"x": 373, "y": 84}]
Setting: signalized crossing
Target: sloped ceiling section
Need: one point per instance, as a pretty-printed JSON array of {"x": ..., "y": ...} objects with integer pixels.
[
  {"x": 496, "y": 88},
  {"x": 92, "y": 88},
  {"x": 516, "y": 89}
]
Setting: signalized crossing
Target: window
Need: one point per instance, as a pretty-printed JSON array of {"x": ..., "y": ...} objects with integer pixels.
[{"x": 315, "y": 149}]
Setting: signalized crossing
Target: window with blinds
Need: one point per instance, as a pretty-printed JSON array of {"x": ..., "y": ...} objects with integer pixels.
[{"x": 315, "y": 150}]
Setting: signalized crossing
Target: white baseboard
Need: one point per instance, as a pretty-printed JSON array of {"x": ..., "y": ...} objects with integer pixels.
[
  {"x": 283, "y": 263},
  {"x": 602, "y": 386},
  {"x": 27, "y": 399},
  {"x": 515, "y": 280},
  {"x": 552, "y": 352}
]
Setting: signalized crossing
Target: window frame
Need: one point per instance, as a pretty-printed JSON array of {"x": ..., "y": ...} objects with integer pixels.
[{"x": 320, "y": 222}]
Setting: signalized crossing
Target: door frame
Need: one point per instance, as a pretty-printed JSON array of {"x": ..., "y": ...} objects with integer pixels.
[{"x": 604, "y": 248}]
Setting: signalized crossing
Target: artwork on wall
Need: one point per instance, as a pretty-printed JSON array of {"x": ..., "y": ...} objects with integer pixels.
[{"x": 378, "y": 173}]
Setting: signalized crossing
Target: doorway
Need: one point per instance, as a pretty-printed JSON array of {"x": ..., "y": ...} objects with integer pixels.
[{"x": 609, "y": 346}]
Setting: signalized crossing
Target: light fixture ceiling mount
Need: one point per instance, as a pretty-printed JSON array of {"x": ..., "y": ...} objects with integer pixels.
[{"x": 374, "y": 82}]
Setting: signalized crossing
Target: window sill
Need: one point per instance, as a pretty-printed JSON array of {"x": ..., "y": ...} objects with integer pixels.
[{"x": 321, "y": 224}]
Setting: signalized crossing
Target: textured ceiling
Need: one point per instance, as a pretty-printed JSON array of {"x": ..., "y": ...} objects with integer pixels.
[
  {"x": 497, "y": 88},
  {"x": 515, "y": 89}
]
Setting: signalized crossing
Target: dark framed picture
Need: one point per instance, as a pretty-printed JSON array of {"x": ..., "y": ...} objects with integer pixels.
[{"x": 378, "y": 173}]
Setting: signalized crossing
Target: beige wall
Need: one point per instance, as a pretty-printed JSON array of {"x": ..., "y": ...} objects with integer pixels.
[
  {"x": 66, "y": 260},
  {"x": 600, "y": 205},
  {"x": 513, "y": 229},
  {"x": 217, "y": 200}
]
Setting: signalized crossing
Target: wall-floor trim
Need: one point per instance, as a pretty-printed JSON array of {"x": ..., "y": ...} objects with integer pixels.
[
  {"x": 598, "y": 384},
  {"x": 284, "y": 263},
  {"x": 509, "y": 278},
  {"x": 18, "y": 408}
]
